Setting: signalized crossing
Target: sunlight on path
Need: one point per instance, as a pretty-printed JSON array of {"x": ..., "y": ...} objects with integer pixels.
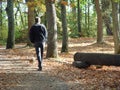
[
  {"x": 19, "y": 72},
  {"x": 13, "y": 61}
]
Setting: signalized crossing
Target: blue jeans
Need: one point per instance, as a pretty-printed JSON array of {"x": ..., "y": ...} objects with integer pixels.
[{"x": 39, "y": 47}]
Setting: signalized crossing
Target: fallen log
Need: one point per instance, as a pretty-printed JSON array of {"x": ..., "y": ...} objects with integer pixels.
[{"x": 83, "y": 60}]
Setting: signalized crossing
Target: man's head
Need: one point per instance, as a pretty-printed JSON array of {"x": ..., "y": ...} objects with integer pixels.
[{"x": 37, "y": 20}]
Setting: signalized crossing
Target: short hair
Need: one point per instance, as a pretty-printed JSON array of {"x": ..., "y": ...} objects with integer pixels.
[{"x": 37, "y": 19}]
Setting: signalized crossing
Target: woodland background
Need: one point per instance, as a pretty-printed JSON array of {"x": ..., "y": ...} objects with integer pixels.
[
  {"x": 64, "y": 19},
  {"x": 73, "y": 26}
]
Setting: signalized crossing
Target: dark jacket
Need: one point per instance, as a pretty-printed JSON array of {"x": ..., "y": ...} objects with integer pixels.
[{"x": 38, "y": 33}]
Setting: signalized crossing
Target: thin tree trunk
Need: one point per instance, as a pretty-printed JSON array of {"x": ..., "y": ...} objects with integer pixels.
[
  {"x": 88, "y": 18},
  {"x": 86, "y": 24},
  {"x": 99, "y": 22},
  {"x": 0, "y": 15},
  {"x": 64, "y": 28},
  {"x": 16, "y": 22},
  {"x": 52, "y": 29},
  {"x": 11, "y": 36},
  {"x": 79, "y": 22},
  {"x": 119, "y": 15},
  {"x": 106, "y": 16},
  {"x": 22, "y": 21},
  {"x": 88, "y": 14},
  {"x": 116, "y": 30},
  {"x": 85, "y": 15}
]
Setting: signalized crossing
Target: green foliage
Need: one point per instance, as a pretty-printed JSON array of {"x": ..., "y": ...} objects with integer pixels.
[
  {"x": 3, "y": 27},
  {"x": 89, "y": 33},
  {"x": 21, "y": 26},
  {"x": 87, "y": 30},
  {"x": 116, "y": 0},
  {"x": 21, "y": 35},
  {"x": 91, "y": 30},
  {"x": 3, "y": 35},
  {"x": 72, "y": 26},
  {"x": 21, "y": 32}
]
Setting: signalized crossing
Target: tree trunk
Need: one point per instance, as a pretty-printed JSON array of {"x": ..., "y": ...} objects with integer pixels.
[
  {"x": 116, "y": 30},
  {"x": 30, "y": 15},
  {"x": 22, "y": 20},
  {"x": 64, "y": 28},
  {"x": 79, "y": 18},
  {"x": 0, "y": 15},
  {"x": 88, "y": 14},
  {"x": 119, "y": 15},
  {"x": 88, "y": 28},
  {"x": 10, "y": 13},
  {"x": 86, "y": 23},
  {"x": 31, "y": 18},
  {"x": 99, "y": 22},
  {"x": 85, "y": 15},
  {"x": 106, "y": 16},
  {"x": 52, "y": 29}
]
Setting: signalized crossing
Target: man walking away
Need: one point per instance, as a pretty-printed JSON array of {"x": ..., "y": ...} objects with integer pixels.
[{"x": 38, "y": 36}]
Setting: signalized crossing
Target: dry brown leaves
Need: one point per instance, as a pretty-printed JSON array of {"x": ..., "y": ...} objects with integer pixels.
[{"x": 107, "y": 77}]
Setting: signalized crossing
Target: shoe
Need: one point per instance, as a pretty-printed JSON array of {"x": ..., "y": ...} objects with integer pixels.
[{"x": 39, "y": 69}]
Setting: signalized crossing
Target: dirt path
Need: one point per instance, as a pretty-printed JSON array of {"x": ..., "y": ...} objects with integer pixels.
[
  {"x": 22, "y": 74},
  {"x": 33, "y": 81},
  {"x": 18, "y": 71}
]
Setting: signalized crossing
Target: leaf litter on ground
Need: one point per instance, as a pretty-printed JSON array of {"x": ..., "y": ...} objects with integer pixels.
[{"x": 106, "y": 77}]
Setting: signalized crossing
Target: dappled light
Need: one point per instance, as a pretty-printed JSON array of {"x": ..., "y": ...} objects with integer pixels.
[{"x": 82, "y": 45}]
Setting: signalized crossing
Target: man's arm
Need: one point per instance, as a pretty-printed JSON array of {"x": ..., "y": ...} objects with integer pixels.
[
  {"x": 45, "y": 32},
  {"x": 31, "y": 35}
]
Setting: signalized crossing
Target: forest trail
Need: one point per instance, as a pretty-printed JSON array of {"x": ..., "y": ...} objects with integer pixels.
[
  {"x": 22, "y": 74},
  {"x": 18, "y": 69}
]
